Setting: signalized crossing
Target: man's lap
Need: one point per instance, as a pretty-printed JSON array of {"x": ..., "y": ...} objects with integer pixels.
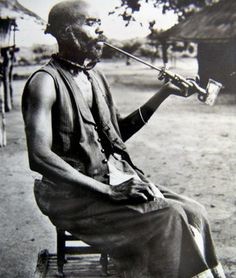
[{"x": 89, "y": 216}]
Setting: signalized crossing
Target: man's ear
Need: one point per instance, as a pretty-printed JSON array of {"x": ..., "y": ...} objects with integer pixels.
[
  {"x": 68, "y": 35},
  {"x": 63, "y": 34}
]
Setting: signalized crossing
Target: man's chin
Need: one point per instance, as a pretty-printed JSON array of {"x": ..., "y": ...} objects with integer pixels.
[{"x": 95, "y": 54}]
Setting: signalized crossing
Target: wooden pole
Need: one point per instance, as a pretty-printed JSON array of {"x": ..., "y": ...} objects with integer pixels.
[{"x": 3, "y": 135}]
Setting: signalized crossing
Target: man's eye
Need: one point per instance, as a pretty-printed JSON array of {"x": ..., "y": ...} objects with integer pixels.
[
  {"x": 93, "y": 21},
  {"x": 90, "y": 22}
]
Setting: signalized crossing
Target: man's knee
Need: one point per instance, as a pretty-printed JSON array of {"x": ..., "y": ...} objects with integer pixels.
[
  {"x": 198, "y": 209},
  {"x": 171, "y": 226},
  {"x": 176, "y": 211}
]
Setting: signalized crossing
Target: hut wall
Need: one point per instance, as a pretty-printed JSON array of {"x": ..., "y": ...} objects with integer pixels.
[
  {"x": 5, "y": 31},
  {"x": 218, "y": 61}
]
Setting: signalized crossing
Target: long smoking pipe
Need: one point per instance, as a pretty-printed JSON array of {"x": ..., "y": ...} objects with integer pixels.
[
  {"x": 208, "y": 96},
  {"x": 162, "y": 71}
]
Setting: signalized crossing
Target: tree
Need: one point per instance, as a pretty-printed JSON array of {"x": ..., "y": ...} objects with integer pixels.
[
  {"x": 183, "y": 8},
  {"x": 154, "y": 41},
  {"x": 131, "y": 47}
]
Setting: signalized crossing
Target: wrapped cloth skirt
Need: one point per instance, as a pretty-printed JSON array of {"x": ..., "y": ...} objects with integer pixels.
[{"x": 167, "y": 238}]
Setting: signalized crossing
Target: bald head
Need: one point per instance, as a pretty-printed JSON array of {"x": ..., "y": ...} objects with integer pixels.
[
  {"x": 77, "y": 30},
  {"x": 65, "y": 14}
]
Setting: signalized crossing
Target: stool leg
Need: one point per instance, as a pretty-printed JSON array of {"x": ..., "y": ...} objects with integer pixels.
[
  {"x": 104, "y": 264},
  {"x": 60, "y": 252}
]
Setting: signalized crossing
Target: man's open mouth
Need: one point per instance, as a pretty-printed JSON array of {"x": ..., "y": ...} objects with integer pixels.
[{"x": 99, "y": 45}]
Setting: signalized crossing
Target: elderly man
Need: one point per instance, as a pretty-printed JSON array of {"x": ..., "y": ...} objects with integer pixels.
[{"x": 90, "y": 187}]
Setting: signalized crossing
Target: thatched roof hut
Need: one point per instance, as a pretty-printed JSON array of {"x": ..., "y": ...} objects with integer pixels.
[
  {"x": 13, "y": 9},
  {"x": 214, "y": 29},
  {"x": 10, "y": 12},
  {"x": 215, "y": 23}
]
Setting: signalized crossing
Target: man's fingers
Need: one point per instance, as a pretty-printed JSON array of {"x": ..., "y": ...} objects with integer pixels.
[
  {"x": 149, "y": 191},
  {"x": 140, "y": 196},
  {"x": 197, "y": 79},
  {"x": 135, "y": 188},
  {"x": 199, "y": 89},
  {"x": 153, "y": 188},
  {"x": 145, "y": 190},
  {"x": 196, "y": 88}
]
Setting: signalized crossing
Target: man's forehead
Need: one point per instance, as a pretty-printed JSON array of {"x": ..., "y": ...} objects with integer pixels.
[{"x": 86, "y": 10}]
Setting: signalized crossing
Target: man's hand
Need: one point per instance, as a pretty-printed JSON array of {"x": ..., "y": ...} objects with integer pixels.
[
  {"x": 179, "y": 89},
  {"x": 132, "y": 190}
]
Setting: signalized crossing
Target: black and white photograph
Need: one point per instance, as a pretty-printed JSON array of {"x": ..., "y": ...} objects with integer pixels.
[{"x": 117, "y": 138}]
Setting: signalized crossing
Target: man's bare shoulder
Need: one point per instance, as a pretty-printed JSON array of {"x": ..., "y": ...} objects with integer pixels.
[{"x": 40, "y": 88}]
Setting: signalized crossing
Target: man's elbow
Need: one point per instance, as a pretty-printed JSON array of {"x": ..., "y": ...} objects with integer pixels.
[
  {"x": 126, "y": 132},
  {"x": 33, "y": 165},
  {"x": 37, "y": 161}
]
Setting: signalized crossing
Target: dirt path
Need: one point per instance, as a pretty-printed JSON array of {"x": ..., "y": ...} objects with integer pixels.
[{"x": 187, "y": 146}]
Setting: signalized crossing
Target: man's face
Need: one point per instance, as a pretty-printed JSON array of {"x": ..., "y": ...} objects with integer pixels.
[{"x": 87, "y": 34}]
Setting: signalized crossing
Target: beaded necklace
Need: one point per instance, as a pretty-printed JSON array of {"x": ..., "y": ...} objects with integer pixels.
[{"x": 75, "y": 65}]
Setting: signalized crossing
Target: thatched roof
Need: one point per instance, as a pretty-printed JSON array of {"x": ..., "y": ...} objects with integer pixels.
[
  {"x": 13, "y": 9},
  {"x": 213, "y": 23}
]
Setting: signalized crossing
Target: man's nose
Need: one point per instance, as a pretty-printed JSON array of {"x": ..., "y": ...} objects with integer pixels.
[{"x": 99, "y": 31}]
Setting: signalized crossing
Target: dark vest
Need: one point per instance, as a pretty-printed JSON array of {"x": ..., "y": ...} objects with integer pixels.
[{"x": 80, "y": 136}]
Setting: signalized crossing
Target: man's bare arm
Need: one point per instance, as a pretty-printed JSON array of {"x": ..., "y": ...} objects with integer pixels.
[
  {"x": 136, "y": 120},
  {"x": 38, "y": 99}
]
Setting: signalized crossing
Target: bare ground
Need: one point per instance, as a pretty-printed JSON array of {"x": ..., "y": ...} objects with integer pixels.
[{"x": 187, "y": 146}]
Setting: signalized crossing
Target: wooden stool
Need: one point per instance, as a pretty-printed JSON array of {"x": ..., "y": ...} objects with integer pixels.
[{"x": 62, "y": 250}]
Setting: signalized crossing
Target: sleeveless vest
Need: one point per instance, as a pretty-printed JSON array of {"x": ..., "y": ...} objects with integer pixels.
[{"x": 78, "y": 135}]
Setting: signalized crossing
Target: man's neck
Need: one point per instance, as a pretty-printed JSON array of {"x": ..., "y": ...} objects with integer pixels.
[
  {"x": 70, "y": 65},
  {"x": 72, "y": 56}
]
